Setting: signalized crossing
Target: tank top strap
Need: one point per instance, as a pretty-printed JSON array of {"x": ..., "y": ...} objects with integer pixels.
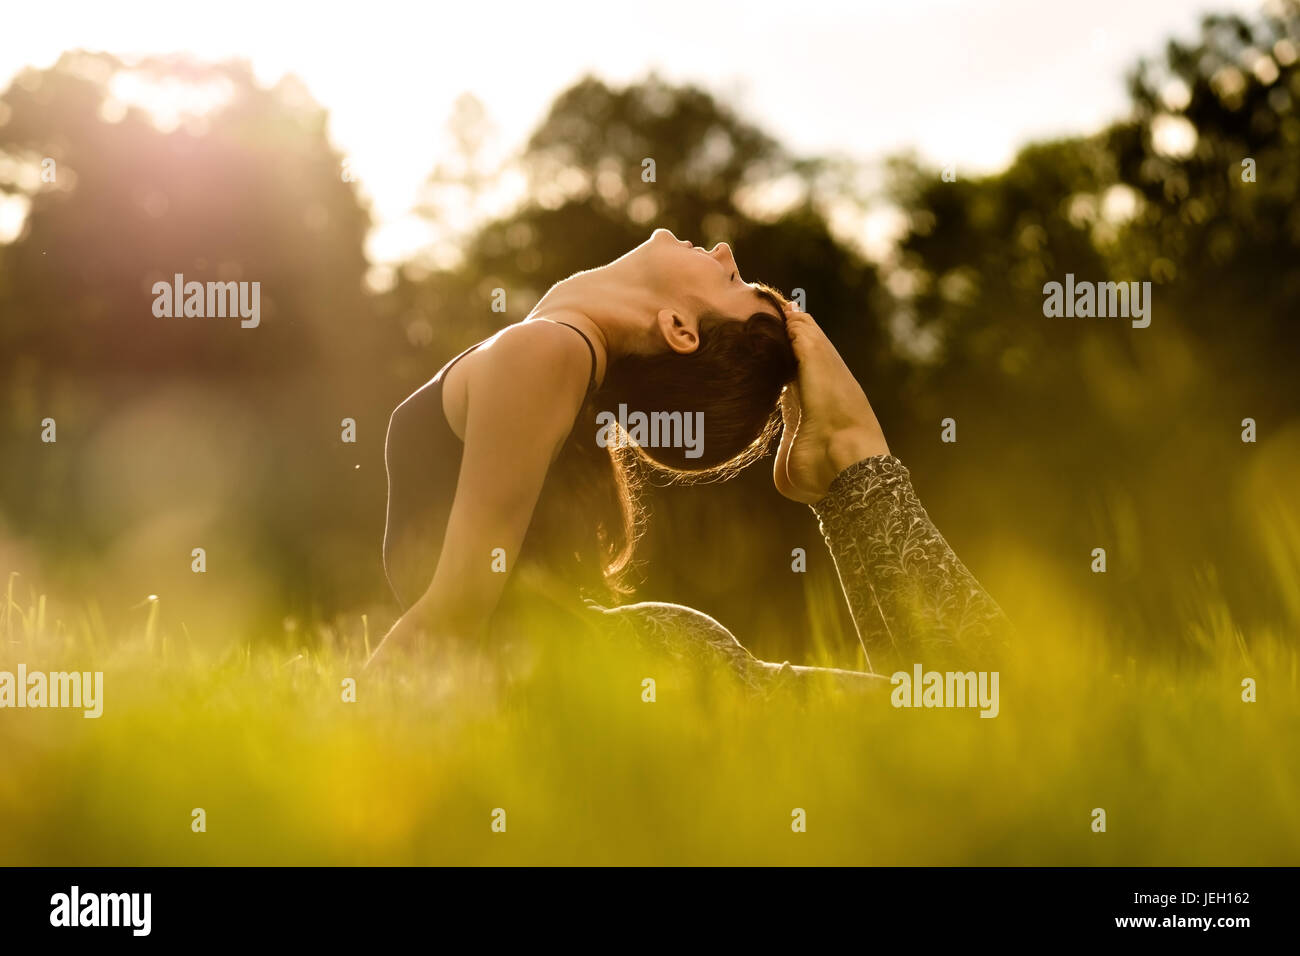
[{"x": 591, "y": 381}]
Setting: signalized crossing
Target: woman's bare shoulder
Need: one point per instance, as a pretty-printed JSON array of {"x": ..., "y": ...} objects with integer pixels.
[
  {"x": 532, "y": 351},
  {"x": 528, "y": 380}
]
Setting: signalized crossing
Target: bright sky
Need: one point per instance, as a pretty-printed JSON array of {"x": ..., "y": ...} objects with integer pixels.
[{"x": 962, "y": 81}]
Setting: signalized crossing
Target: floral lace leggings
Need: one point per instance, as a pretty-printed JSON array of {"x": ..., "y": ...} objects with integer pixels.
[{"x": 911, "y": 598}]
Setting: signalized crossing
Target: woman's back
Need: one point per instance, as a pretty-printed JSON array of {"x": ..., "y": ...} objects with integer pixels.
[{"x": 423, "y": 458}]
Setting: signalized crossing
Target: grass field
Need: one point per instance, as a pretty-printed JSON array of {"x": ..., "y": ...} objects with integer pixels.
[{"x": 587, "y": 772}]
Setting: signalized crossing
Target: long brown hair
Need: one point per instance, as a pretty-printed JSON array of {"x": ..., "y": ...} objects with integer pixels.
[{"x": 589, "y": 515}]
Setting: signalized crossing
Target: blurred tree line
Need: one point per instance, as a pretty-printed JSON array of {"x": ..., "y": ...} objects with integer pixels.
[{"x": 1072, "y": 433}]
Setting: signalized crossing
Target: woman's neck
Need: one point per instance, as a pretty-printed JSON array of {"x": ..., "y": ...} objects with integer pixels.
[{"x": 611, "y": 303}]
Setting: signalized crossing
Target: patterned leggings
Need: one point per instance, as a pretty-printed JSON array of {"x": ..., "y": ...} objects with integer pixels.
[{"x": 911, "y": 598}]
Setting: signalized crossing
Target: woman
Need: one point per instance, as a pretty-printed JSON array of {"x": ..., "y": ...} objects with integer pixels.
[{"x": 504, "y": 492}]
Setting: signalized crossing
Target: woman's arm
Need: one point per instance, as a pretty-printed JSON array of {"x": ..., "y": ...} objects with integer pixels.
[{"x": 524, "y": 390}]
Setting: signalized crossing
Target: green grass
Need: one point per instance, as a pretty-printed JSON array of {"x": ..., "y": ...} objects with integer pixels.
[{"x": 259, "y": 737}]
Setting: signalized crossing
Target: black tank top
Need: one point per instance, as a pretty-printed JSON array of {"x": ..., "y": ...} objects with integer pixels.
[{"x": 423, "y": 457}]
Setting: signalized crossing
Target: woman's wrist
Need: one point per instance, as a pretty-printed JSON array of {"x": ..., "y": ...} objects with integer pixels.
[{"x": 445, "y": 619}]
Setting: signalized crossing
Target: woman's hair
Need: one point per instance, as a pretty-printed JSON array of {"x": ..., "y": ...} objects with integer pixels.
[{"x": 589, "y": 515}]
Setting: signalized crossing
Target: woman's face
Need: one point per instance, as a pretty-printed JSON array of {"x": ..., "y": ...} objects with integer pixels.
[{"x": 708, "y": 278}]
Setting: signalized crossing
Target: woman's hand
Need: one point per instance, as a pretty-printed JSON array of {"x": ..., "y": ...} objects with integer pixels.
[
  {"x": 828, "y": 424},
  {"x": 432, "y": 641},
  {"x": 413, "y": 631},
  {"x": 421, "y": 647}
]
